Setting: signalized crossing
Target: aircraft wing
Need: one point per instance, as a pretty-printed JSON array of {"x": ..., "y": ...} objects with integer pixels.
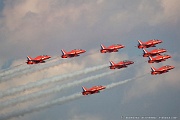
[
  {"x": 121, "y": 65},
  {"x": 162, "y": 71},
  {"x": 93, "y": 90},
  {"x": 72, "y": 53},
  {"x": 38, "y": 61},
  {"x": 160, "y": 60}
]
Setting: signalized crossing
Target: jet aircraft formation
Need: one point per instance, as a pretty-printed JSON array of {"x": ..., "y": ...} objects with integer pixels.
[
  {"x": 77, "y": 52},
  {"x": 155, "y": 56}
]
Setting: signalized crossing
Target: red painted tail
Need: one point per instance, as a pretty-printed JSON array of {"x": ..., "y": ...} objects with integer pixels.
[
  {"x": 150, "y": 58},
  {"x": 145, "y": 51},
  {"x": 153, "y": 69},
  {"x": 140, "y": 42},
  {"x": 112, "y": 63},
  {"x": 29, "y": 58},
  {"x": 84, "y": 89},
  {"x": 102, "y": 46},
  {"x": 63, "y": 52}
]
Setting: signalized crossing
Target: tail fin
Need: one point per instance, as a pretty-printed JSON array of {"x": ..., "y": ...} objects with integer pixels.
[
  {"x": 84, "y": 89},
  {"x": 63, "y": 52},
  {"x": 144, "y": 50},
  {"x": 29, "y": 58},
  {"x": 112, "y": 63},
  {"x": 150, "y": 58},
  {"x": 140, "y": 42},
  {"x": 153, "y": 69},
  {"x": 102, "y": 46}
]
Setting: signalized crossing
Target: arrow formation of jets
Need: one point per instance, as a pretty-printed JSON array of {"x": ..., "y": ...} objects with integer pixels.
[
  {"x": 77, "y": 52},
  {"x": 155, "y": 56}
]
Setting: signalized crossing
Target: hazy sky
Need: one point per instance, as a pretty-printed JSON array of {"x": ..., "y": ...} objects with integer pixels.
[{"x": 35, "y": 27}]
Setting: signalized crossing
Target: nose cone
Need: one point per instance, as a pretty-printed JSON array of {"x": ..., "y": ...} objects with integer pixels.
[
  {"x": 172, "y": 67},
  {"x": 168, "y": 56},
  {"x": 130, "y": 62},
  {"x": 160, "y": 41},
  {"x": 83, "y": 51},
  {"x": 47, "y": 57},
  {"x": 103, "y": 87},
  {"x": 120, "y": 46},
  {"x": 164, "y": 50}
]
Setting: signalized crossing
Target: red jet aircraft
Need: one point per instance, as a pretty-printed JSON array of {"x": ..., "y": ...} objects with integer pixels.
[
  {"x": 121, "y": 64},
  {"x": 72, "y": 53},
  {"x": 158, "y": 58},
  {"x": 112, "y": 48},
  {"x": 161, "y": 70},
  {"x": 38, "y": 59},
  {"x": 94, "y": 89},
  {"x": 149, "y": 43},
  {"x": 153, "y": 52}
]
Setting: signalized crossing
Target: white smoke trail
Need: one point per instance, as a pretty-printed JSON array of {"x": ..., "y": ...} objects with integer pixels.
[
  {"x": 58, "y": 101},
  {"x": 10, "y": 72},
  {"x": 30, "y": 69},
  {"x": 55, "y": 89},
  {"x": 49, "y": 80},
  {"x": 3, "y": 74},
  {"x": 117, "y": 83},
  {"x": 7, "y": 75},
  {"x": 112, "y": 85},
  {"x": 42, "y": 106},
  {"x": 20, "y": 67},
  {"x": 9, "y": 68}
]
